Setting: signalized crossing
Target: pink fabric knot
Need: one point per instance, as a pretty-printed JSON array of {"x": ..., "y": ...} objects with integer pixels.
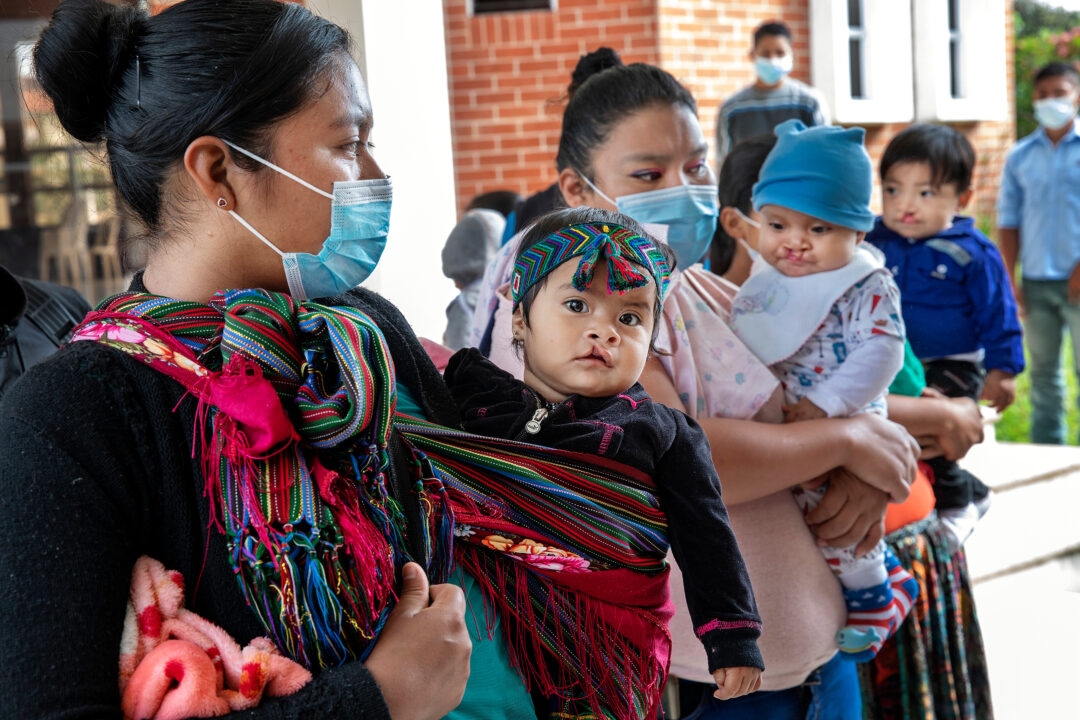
[{"x": 242, "y": 394}]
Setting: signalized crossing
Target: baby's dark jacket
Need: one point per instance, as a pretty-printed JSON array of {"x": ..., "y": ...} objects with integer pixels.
[{"x": 665, "y": 444}]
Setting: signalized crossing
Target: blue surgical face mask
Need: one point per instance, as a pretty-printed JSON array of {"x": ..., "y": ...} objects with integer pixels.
[
  {"x": 359, "y": 223},
  {"x": 688, "y": 211},
  {"x": 771, "y": 70},
  {"x": 1054, "y": 113}
]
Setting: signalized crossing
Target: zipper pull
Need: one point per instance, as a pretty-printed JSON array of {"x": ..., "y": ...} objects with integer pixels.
[{"x": 533, "y": 426}]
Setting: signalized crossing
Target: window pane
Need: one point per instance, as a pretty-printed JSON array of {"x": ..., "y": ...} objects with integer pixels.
[
  {"x": 49, "y": 207},
  {"x": 5, "y": 209},
  {"x": 102, "y": 205},
  {"x": 45, "y": 168},
  {"x": 490, "y": 6},
  {"x": 50, "y": 169},
  {"x": 855, "y": 62},
  {"x": 955, "y": 88},
  {"x": 854, "y": 13},
  {"x": 91, "y": 170}
]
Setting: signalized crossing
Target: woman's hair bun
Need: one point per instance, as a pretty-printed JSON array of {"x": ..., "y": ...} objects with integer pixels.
[
  {"x": 80, "y": 59},
  {"x": 597, "y": 61}
]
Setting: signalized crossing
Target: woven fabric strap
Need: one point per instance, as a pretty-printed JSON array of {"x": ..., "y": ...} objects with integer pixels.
[
  {"x": 570, "y": 547},
  {"x": 295, "y": 406},
  {"x": 625, "y": 250},
  {"x": 295, "y": 417}
]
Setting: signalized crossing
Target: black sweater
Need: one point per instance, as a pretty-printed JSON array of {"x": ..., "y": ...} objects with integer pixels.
[
  {"x": 95, "y": 470},
  {"x": 663, "y": 443}
]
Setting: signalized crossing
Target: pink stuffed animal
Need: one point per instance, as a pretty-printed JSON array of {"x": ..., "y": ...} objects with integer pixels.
[{"x": 175, "y": 664}]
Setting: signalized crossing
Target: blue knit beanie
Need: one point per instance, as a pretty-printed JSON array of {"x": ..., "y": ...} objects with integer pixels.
[{"x": 822, "y": 171}]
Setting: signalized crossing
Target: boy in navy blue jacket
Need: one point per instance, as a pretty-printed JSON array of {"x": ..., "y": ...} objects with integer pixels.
[{"x": 957, "y": 302}]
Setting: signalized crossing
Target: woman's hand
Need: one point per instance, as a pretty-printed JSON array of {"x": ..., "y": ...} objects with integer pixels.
[
  {"x": 881, "y": 454},
  {"x": 944, "y": 426},
  {"x": 959, "y": 428},
  {"x": 850, "y": 513},
  {"x": 421, "y": 659}
]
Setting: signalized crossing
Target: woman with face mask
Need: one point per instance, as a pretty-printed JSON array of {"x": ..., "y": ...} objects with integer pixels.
[
  {"x": 215, "y": 418},
  {"x": 631, "y": 142},
  {"x": 914, "y": 669}
]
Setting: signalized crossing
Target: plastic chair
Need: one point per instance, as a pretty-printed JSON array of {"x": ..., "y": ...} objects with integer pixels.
[
  {"x": 108, "y": 275},
  {"x": 65, "y": 247}
]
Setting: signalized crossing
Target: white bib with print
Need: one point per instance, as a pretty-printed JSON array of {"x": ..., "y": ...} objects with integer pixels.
[{"x": 774, "y": 314}]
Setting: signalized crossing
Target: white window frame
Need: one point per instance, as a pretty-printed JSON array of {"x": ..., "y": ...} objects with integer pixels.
[
  {"x": 984, "y": 89},
  {"x": 887, "y": 68}
]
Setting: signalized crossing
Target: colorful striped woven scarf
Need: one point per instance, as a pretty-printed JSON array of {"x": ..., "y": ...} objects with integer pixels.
[
  {"x": 625, "y": 250},
  {"x": 296, "y": 412}
]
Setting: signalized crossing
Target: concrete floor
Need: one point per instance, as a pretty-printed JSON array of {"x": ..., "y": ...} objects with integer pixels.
[
  {"x": 1031, "y": 628},
  {"x": 1025, "y": 563}
]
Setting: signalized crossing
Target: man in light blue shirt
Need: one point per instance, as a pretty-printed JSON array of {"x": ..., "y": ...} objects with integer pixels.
[{"x": 1039, "y": 224}]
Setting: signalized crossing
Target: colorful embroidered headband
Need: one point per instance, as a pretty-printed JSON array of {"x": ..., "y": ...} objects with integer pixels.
[{"x": 626, "y": 251}]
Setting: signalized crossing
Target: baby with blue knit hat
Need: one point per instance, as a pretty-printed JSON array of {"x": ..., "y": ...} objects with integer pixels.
[{"x": 823, "y": 312}]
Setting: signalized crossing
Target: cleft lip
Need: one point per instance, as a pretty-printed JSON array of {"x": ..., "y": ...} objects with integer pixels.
[{"x": 598, "y": 353}]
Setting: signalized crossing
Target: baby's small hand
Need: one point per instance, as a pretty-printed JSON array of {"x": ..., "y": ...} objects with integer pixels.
[
  {"x": 736, "y": 681},
  {"x": 999, "y": 389},
  {"x": 802, "y": 410}
]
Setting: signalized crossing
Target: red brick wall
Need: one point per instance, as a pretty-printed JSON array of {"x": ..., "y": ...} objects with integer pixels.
[
  {"x": 508, "y": 77},
  {"x": 707, "y": 46},
  {"x": 508, "y": 72}
]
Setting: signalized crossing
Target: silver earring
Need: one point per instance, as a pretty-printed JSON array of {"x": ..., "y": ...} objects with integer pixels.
[{"x": 222, "y": 202}]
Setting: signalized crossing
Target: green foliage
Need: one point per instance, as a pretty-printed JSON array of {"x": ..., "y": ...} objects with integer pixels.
[
  {"x": 1015, "y": 422},
  {"x": 1032, "y": 17},
  {"x": 1043, "y": 34}
]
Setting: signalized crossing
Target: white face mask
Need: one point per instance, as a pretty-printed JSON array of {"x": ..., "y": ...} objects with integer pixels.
[
  {"x": 755, "y": 256},
  {"x": 1054, "y": 113},
  {"x": 747, "y": 220}
]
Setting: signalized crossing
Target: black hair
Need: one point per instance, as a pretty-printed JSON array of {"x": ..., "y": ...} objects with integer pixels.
[
  {"x": 565, "y": 217},
  {"x": 588, "y": 65},
  {"x": 946, "y": 150},
  {"x": 501, "y": 201},
  {"x": 735, "y": 185},
  {"x": 605, "y": 99},
  {"x": 771, "y": 28},
  {"x": 148, "y": 86},
  {"x": 1057, "y": 69}
]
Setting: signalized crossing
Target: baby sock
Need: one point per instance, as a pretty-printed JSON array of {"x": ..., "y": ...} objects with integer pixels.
[
  {"x": 957, "y": 524},
  {"x": 875, "y": 613}
]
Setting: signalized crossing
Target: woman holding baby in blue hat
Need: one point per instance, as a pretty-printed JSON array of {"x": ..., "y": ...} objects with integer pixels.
[{"x": 631, "y": 142}]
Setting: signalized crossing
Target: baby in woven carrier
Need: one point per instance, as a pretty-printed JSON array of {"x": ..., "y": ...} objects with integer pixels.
[{"x": 588, "y": 287}]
